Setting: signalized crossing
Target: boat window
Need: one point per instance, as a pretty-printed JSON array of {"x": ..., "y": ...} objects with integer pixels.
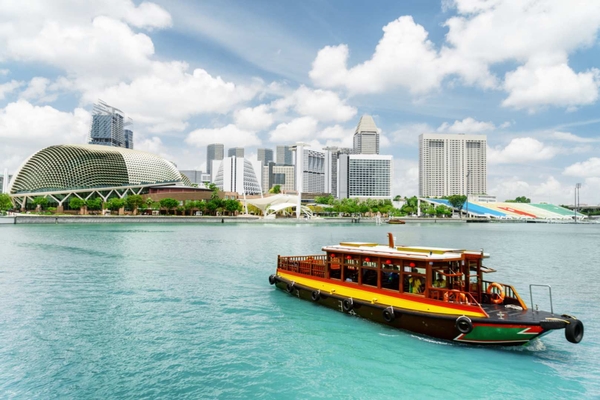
[
  {"x": 369, "y": 271},
  {"x": 335, "y": 261},
  {"x": 390, "y": 274},
  {"x": 414, "y": 275},
  {"x": 350, "y": 270}
]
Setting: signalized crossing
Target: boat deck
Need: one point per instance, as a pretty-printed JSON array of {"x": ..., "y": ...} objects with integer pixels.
[{"x": 499, "y": 312}]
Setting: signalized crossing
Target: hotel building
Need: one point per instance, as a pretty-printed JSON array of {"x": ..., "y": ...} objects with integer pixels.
[{"x": 364, "y": 176}]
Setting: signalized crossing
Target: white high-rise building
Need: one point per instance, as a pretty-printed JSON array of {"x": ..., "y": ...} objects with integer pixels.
[
  {"x": 236, "y": 174},
  {"x": 451, "y": 164},
  {"x": 364, "y": 176},
  {"x": 214, "y": 152},
  {"x": 366, "y": 136},
  {"x": 316, "y": 170}
]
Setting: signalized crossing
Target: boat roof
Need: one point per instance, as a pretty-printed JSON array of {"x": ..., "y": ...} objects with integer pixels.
[{"x": 421, "y": 252}]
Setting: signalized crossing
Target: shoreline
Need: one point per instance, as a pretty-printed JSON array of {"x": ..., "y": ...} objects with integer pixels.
[{"x": 86, "y": 219}]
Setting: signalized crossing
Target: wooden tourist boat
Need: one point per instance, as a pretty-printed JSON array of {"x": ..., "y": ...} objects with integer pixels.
[
  {"x": 437, "y": 292},
  {"x": 395, "y": 221}
]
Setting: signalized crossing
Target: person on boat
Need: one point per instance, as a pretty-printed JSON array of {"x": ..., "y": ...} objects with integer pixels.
[
  {"x": 415, "y": 282},
  {"x": 439, "y": 282}
]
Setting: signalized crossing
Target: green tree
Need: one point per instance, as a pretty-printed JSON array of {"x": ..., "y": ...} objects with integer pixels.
[
  {"x": 134, "y": 201},
  {"x": 76, "y": 203},
  {"x": 115, "y": 204},
  {"x": 398, "y": 198},
  {"x": 5, "y": 202},
  {"x": 442, "y": 210},
  {"x": 40, "y": 201},
  {"x": 232, "y": 206},
  {"x": 457, "y": 201},
  {"x": 324, "y": 199},
  {"x": 275, "y": 189},
  {"x": 520, "y": 199},
  {"x": 94, "y": 204},
  {"x": 169, "y": 203}
]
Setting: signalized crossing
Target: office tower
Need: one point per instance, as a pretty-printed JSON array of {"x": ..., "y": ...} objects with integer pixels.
[
  {"x": 366, "y": 136},
  {"x": 284, "y": 155},
  {"x": 108, "y": 126},
  {"x": 365, "y": 176},
  {"x": 282, "y": 175},
  {"x": 316, "y": 171},
  {"x": 236, "y": 174},
  {"x": 216, "y": 152},
  {"x": 265, "y": 156},
  {"x": 128, "y": 139},
  {"x": 235, "y": 152},
  {"x": 335, "y": 155},
  {"x": 452, "y": 164}
]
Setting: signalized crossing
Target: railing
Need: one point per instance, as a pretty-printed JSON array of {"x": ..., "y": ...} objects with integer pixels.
[
  {"x": 509, "y": 293},
  {"x": 549, "y": 292},
  {"x": 305, "y": 265},
  {"x": 452, "y": 296}
]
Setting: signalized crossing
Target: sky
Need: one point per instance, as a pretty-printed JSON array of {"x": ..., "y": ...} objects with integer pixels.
[{"x": 525, "y": 73}]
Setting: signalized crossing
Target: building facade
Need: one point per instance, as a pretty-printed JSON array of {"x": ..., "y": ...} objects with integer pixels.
[
  {"x": 215, "y": 151},
  {"x": 108, "y": 127},
  {"x": 284, "y": 155},
  {"x": 265, "y": 156},
  {"x": 196, "y": 177},
  {"x": 335, "y": 155},
  {"x": 282, "y": 175},
  {"x": 366, "y": 136},
  {"x": 365, "y": 176},
  {"x": 235, "y": 152},
  {"x": 236, "y": 174},
  {"x": 316, "y": 167},
  {"x": 452, "y": 164}
]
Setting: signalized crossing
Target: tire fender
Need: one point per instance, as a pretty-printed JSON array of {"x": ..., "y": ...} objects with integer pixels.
[{"x": 464, "y": 324}]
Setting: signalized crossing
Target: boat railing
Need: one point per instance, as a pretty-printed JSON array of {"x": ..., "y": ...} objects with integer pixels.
[
  {"x": 305, "y": 265},
  {"x": 510, "y": 293},
  {"x": 452, "y": 296},
  {"x": 549, "y": 292}
]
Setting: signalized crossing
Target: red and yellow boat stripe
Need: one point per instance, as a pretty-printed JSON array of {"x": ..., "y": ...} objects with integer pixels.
[{"x": 378, "y": 296}]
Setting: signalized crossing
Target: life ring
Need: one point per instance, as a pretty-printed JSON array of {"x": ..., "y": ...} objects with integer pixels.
[
  {"x": 464, "y": 324},
  {"x": 272, "y": 279},
  {"x": 290, "y": 287},
  {"x": 315, "y": 295},
  {"x": 455, "y": 293},
  {"x": 496, "y": 298},
  {"x": 388, "y": 314},
  {"x": 348, "y": 304},
  {"x": 574, "y": 331}
]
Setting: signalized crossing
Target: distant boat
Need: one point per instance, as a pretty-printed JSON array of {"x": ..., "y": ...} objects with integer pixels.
[{"x": 395, "y": 221}]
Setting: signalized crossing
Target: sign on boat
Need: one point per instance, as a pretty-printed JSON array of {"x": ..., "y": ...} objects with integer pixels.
[{"x": 438, "y": 292}]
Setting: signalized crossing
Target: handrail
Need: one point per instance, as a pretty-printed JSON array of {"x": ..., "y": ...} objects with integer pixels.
[{"x": 549, "y": 291}]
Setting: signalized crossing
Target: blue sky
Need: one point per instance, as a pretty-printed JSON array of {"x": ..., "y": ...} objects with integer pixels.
[{"x": 264, "y": 73}]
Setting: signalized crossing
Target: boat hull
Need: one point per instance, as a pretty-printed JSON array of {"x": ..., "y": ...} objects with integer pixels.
[{"x": 481, "y": 331}]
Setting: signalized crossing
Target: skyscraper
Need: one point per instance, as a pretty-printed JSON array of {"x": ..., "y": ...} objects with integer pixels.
[
  {"x": 265, "y": 156},
  {"x": 128, "y": 139},
  {"x": 366, "y": 136},
  {"x": 335, "y": 155},
  {"x": 215, "y": 152},
  {"x": 364, "y": 176},
  {"x": 108, "y": 125},
  {"x": 284, "y": 156},
  {"x": 452, "y": 164},
  {"x": 235, "y": 152}
]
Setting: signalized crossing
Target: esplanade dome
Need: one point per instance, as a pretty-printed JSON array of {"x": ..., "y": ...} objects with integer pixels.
[{"x": 86, "y": 168}]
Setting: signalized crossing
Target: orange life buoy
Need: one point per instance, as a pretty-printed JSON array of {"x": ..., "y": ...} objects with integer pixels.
[
  {"x": 499, "y": 297},
  {"x": 457, "y": 296}
]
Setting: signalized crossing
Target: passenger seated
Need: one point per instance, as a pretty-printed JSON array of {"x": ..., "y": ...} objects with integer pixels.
[
  {"x": 439, "y": 282},
  {"x": 416, "y": 283}
]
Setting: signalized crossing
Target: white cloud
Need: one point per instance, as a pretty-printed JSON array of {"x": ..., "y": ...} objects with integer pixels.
[
  {"x": 25, "y": 129},
  {"x": 403, "y": 58},
  {"x": 230, "y": 136},
  {"x": 4, "y": 72},
  {"x": 406, "y": 178},
  {"x": 546, "y": 189},
  {"x": 520, "y": 151},
  {"x": 408, "y": 135},
  {"x": 169, "y": 94},
  {"x": 254, "y": 119},
  {"x": 585, "y": 169},
  {"x": 8, "y": 87},
  {"x": 467, "y": 125},
  {"x": 569, "y": 137},
  {"x": 293, "y": 131},
  {"x": 36, "y": 90},
  {"x": 555, "y": 85},
  {"x": 323, "y": 105}
]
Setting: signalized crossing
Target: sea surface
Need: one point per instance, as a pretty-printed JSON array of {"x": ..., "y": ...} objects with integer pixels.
[{"x": 186, "y": 311}]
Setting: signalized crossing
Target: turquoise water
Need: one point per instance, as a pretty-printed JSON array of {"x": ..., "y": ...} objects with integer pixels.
[{"x": 186, "y": 311}]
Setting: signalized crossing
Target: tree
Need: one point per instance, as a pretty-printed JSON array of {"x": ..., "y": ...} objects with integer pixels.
[
  {"x": 94, "y": 204},
  {"x": 115, "y": 203},
  {"x": 520, "y": 199},
  {"x": 324, "y": 199},
  {"x": 76, "y": 203},
  {"x": 5, "y": 202},
  {"x": 169, "y": 203},
  {"x": 40, "y": 201},
  {"x": 232, "y": 206},
  {"x": 457, "y": 201},
  {"x": 134, "y": 202},
  {"x": 275, "y": 189},
  {"x": 398, "y": 198},
  {"x": 442, "y": 210}
]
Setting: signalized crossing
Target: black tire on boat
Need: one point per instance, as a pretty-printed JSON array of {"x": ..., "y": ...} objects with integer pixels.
[
  {"x": 272, "y": 279},
  {"x": 315, "y": 295},
  {"x": 464, "y": 324},
  {"x": 348, "y": 304},
  {"x": 574, "y": 331},
  {"x": 388, "y": 314},
  {"x": 290, "y": 287}
]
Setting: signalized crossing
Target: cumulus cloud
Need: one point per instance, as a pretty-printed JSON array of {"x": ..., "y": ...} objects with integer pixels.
[
  {"x": 170, "y": 94},
  {"x": 569, "y": 137},
  {"x": 584, "y": 169},
  {"x": 37, "y": 90},
  {"x": 254, "y": 119},
  {"x": 293, "y": 131},
  {"x": 9, "y": 87},
  {"x": 408, "y": 135},
  {"x": 520, "y": 151},
  {"x": 323, "y": 105},
  {"x": 404, "y": 57},
  {"x": 230, "y": 136},
  {"x": 467, "y": 125},
  {"x": 548, "y": 189}
]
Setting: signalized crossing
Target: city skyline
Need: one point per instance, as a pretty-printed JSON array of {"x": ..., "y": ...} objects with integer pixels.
[{"x": 262, "y": 75}]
